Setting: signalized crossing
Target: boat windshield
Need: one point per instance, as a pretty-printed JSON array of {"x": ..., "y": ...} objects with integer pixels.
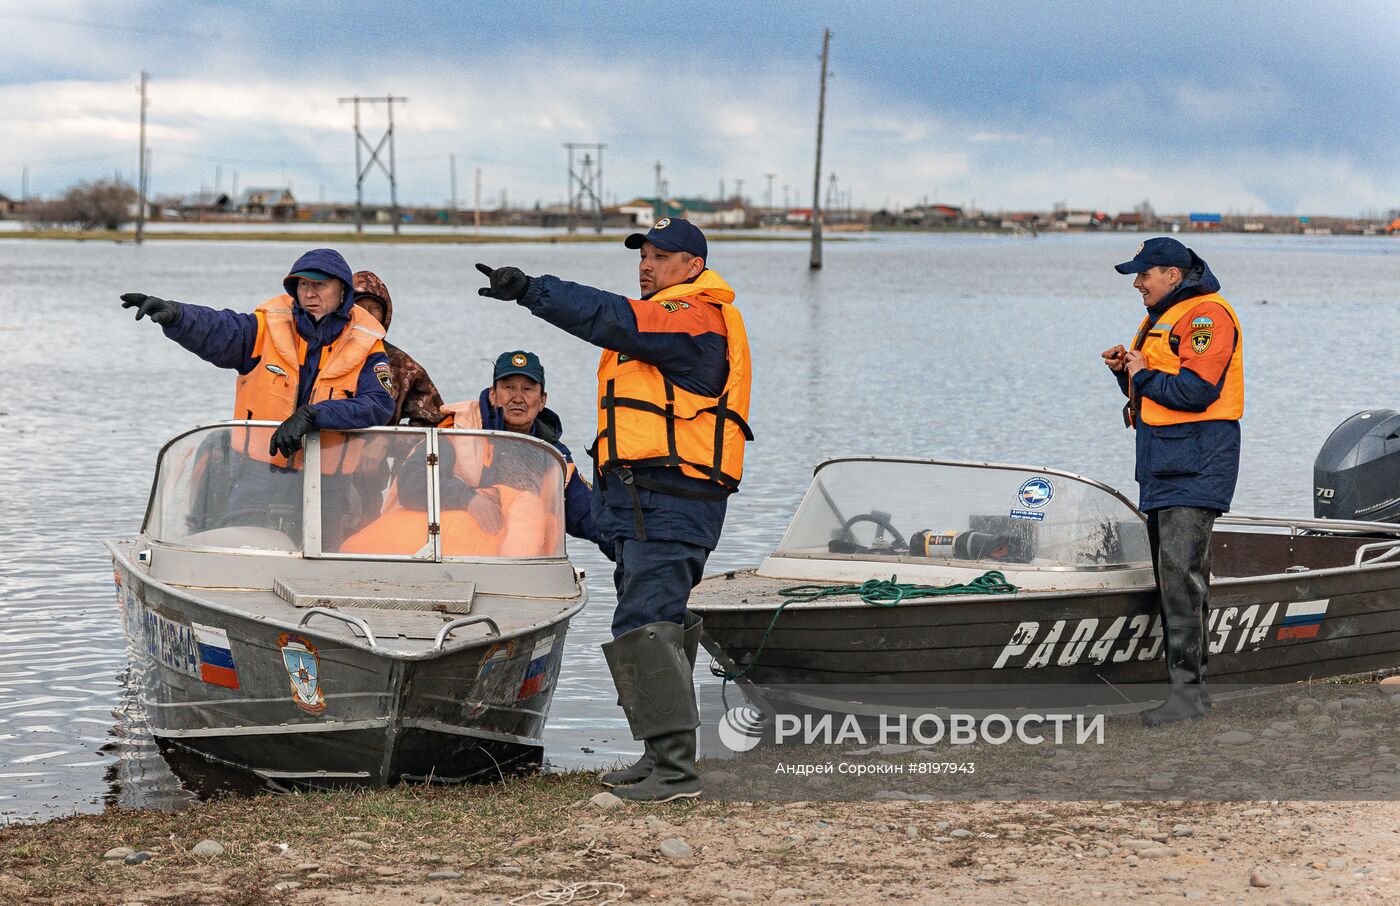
[
  {"x": 982, "y": 514},
  {"x": 382, "y": 493}
]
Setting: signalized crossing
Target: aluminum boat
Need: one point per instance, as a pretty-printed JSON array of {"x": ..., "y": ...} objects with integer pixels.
[{"x": 390, "y": 605}]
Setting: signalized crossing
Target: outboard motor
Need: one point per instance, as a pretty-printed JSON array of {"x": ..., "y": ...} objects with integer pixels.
[{"x": 1357, "y": 473}]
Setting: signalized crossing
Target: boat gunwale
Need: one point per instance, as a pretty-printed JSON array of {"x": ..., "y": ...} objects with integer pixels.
[
  {"x": 1224, "y": 583},
  {"x": 186, "y": 593}
]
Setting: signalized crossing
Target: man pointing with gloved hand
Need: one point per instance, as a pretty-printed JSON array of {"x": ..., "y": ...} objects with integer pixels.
[
  {"x": 308, "y": 359},
  {"x": 673, "y": 397}
]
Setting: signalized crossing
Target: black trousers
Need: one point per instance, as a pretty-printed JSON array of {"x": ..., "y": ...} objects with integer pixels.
[{"x": 1180, "y": 540}]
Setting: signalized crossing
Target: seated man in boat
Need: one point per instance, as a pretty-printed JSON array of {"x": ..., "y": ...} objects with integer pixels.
[
  {"x": 308, "y": 358},
  {"x": 416, "y": 398},
  {"x": 476, "y": 519},
  {"x": 1184, "y": 379},
  {"x": 515, "y": 401},
  {"x": 673, "y": 399}
]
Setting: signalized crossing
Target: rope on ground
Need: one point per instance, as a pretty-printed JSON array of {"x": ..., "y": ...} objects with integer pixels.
[
  {"x": 876, "y": 592},
  {"x": 596, "y": 893}
]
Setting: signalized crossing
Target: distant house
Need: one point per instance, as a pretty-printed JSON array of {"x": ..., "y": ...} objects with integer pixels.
[
  {"x": 204, "y": 203},
  {"x": 8, "y": 205},
  {"x": 646, "y": 211},
  {"x": 277, "y": 203},
  {"x": 1081, "y": 220},
  {"x": 1129, "y": 221}
]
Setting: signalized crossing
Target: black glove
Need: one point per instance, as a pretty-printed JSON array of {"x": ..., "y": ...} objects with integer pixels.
[
  {"x": 162, "y": 311},
  {"x": 286, "y": 440},
  {"x": 509, "y": 283}
]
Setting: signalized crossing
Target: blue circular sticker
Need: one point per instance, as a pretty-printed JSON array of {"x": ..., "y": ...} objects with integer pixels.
[{"x": 1035, "y": 493}]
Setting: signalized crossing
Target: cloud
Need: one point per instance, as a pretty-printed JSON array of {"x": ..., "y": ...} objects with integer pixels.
[{"x": 1100, "y": 135}]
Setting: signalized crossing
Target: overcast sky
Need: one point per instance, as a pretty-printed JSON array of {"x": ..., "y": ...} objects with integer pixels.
[{"x": 1221, "y": 106}]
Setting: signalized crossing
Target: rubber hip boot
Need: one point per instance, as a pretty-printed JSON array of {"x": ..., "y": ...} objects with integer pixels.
[
  {"x": 642, "y": 768},
  {"x": 653, "y": 680},
  {"x": 1182, "y": 563},
  {"x": 1186, "y": 696}
]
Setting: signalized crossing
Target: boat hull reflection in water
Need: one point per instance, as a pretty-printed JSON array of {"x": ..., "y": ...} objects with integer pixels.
[{"x": 390, "y": 605}]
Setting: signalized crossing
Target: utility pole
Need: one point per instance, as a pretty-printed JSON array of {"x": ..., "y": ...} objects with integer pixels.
[
  {"x": 24, "y": 186},
  {"x": 660, "y": 210},
  {"x": 452, "y": 176},
  {"x": 141, "y": 164},
  {"x": 585, "y": 184},
  {"x": 816, "y": 261},
  {"x": 768, "y": 196},
  {"x": 361, "y": 171},
  {"x": 833, "y": 194},
  {"x": 477, "y": 216}
]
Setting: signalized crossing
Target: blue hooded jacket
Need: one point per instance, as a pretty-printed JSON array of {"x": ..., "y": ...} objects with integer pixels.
[
  {"x": 226, "y": 338},
  {"x": 578, "y": 496},
  {"x": 1196, "y": 464}
]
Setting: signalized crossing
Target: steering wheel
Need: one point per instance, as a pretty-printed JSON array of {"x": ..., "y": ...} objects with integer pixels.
[{"x": 882, "y": 520}]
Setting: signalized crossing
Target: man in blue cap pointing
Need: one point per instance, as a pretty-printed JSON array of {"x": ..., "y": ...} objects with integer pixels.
[{"x": 673, "y": 399}]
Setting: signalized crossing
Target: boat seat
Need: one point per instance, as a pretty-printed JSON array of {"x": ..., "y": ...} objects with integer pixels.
[{"x": 252, "y": 537}]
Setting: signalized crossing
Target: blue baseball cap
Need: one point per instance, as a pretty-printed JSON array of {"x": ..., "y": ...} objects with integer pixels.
[
  {"x": 518, "y": 361},
  {"x": 1163, "y": 251},
  {"x": 674, "y": 234},
  {"x": 313, "y": 274}
]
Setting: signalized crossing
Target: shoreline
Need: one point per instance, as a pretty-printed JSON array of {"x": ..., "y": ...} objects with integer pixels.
[
  {"x": 500, "y": 843},
  {"x": 125, "y": 237}
]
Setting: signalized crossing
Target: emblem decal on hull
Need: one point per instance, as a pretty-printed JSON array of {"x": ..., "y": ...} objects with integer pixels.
[
  {"x": 496, "y": 683},
  {"x": 303, "y": 669}
]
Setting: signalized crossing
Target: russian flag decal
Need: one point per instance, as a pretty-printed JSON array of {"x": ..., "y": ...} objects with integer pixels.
[
  {"x": 536, "y": 671},
  {"x": 216, "y": 665},
  {"x": 1302, "y": 620}
]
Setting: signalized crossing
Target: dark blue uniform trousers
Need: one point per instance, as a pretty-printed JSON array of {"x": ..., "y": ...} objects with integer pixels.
[{"x": 653, "y": 580}]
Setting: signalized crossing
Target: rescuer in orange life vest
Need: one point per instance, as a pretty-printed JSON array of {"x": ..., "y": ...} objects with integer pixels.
[
  {"x": 308, "y": 359},
  {"x": 673, "y": 397},
  {"x": 1184, "y": 379}
]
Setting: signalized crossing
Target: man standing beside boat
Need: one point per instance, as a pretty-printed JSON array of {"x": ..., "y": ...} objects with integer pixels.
[
  {"x": 673, "y": 399},
  {"x": 1184, "y": 379}
]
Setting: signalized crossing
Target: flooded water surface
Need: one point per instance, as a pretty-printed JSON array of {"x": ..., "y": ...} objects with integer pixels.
[{"x": 956, "y": 347}]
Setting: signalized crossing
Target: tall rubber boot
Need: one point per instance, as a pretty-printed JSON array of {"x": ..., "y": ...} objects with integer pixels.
[
  {"x": 653, "y": 680},
  {"x": 1186, "y": 695},
  {"x": 1183, "y": 569},
  {"x": 642, "y": 768}
]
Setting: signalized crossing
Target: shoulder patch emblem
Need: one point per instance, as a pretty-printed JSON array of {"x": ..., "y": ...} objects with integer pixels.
[
  {"x": 1202, "y": 323},
  {"x": 385, "y": 376},
  {"x": 1200, "y": 341},
  {"x": 673, "y": 306}
]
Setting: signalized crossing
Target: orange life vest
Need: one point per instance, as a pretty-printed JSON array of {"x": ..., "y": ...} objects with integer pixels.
[
  {"x": 1154, "y": 341},
  {"x": 403, "y": 532},
  {"x": 269, "y": 391},
  {"x": 645, "y": 420}
]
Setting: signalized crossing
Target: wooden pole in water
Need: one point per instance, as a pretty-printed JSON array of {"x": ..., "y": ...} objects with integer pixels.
[{"x": 817, "y": 176}]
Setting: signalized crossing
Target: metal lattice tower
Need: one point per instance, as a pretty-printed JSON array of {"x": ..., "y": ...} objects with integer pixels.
[
  {"x": 362, "y": 169},
  {"x": 585, "y": 184}
]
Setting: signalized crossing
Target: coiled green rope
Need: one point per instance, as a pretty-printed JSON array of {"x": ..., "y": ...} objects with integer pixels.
[{"x": 877, "y": 592}]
